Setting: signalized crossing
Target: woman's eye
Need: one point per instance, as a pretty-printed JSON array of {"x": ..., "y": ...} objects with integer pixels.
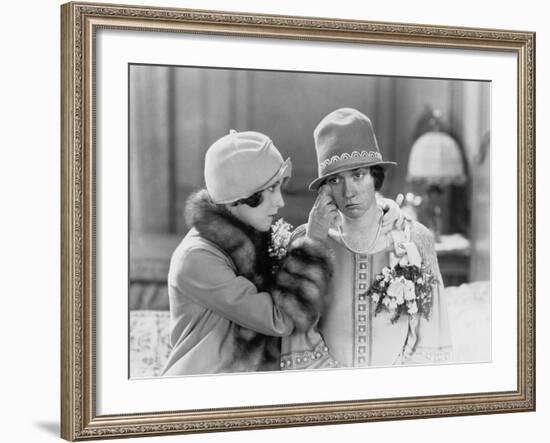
[
  {"x": 333, "y": 181},
  {"x": 358, "y": 174}
]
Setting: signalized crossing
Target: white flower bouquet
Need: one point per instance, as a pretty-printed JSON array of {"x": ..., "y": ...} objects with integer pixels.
[
  {"x": 281, "y": 232},
  {"x": 403, "y": 289}
]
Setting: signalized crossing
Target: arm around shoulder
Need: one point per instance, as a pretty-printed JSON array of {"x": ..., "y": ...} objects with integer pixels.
[
  {"x": 303, "y": 279},
  {"x": 206, "y": 276}
]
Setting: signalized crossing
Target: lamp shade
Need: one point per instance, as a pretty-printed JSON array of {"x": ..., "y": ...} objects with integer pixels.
[{"x": 436, "y": 159}]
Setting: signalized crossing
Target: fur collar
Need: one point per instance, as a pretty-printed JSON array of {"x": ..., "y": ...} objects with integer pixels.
[
  {"x": 298, "y": 289},
  {"x": 246, "y": 246},
  {"x": 248, "y": 249}
]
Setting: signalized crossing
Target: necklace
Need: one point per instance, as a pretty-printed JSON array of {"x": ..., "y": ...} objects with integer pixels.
[{"x": 365, "y": 251}]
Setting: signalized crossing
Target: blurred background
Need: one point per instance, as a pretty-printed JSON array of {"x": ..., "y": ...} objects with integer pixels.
[{"x": 437, "y": 130}]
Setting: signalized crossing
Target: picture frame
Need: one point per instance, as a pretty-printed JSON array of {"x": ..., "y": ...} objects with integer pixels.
[{"x": 81, "y": 241}]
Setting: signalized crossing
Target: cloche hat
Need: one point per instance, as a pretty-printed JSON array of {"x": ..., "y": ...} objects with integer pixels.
[
  {"x": 345, "y": 140},
  {"x": 242, "y": 163}
]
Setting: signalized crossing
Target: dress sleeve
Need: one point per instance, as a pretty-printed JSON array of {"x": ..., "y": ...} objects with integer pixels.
[
  {"x": 209, "y": 280},
  {"x": 429, "y": 340}
]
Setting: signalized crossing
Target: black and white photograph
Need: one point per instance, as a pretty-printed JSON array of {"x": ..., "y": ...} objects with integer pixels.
[
  {"x": 288, "y": 220},
  {"x": 281, "y": 221}
]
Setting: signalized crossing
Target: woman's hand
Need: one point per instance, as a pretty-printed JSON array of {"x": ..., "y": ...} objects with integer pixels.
[
  {"x": 393, "y": 218},
  {"x": 322, "y": 215}
]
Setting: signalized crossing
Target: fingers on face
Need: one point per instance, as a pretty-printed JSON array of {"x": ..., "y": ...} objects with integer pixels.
[
  {"x": 321, "y": 201},
  {"x": 325, "y": 189},
  {"x": 321, "y": 196},
  {"x": 330, "y": 210},
  {"x": 319, "y": 204},
  {"x": 325, "y": 198}
]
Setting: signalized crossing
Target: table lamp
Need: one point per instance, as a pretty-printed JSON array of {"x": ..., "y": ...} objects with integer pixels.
[{"x": 436, "y": 162}]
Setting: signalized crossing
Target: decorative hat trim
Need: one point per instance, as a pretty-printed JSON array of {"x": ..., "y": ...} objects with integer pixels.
[{"x": 366, "y": 155}]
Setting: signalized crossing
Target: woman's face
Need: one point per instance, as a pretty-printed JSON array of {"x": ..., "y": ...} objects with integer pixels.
[
  {"x": 261, "y": 217},
  {"x": 353, "y": 191}
]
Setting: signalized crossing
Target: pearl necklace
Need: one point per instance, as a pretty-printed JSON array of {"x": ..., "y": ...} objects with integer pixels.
[{"x": 365, "y": 251}]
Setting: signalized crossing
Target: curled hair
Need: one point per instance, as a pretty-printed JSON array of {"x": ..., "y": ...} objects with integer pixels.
[
  {"x": 253, "y": 201},
  {"x": 378, "y": 174},
  {"x": 257, "y": 198}
]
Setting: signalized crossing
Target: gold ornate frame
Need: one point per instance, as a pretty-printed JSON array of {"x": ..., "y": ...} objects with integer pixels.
[{"x": 80, "y": 21}]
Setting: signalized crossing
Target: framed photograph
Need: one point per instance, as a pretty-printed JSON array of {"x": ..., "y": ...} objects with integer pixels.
[{"x": 277, "y": 221}]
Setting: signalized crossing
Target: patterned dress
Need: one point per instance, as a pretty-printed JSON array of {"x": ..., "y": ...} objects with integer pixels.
[{"x": 350, "y": 334}]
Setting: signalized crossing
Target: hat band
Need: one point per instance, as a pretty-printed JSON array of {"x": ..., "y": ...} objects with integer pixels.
[{"x": 359, "y": 155}]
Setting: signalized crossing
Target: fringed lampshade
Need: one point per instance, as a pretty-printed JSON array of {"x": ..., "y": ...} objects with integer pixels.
[{"x": 436, "y": 159}]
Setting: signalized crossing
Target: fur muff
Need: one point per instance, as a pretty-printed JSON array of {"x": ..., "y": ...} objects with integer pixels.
[
  {"x": 302, "y": 281},
  {"x": 298, "y": 289}
]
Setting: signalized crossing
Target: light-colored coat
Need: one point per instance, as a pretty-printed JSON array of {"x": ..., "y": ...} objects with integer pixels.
[{"x": 227, "y": 310}]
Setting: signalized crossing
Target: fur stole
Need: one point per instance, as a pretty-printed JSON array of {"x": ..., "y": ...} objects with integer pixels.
[
  {"x": 247, "y": 248},
  {"x": 298, "y": 288}
]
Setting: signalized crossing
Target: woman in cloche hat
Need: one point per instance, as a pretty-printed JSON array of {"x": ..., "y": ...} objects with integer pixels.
[
  {"x": 231, "y": 297},
  {"x": 385, "y": 303}
]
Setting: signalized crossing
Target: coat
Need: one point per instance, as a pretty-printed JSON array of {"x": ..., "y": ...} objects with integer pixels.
[{"x": 228, "y": 309}]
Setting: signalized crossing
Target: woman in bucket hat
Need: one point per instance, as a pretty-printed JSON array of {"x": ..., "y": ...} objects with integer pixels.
[
  {"x": 359, "y": 325},
  {"x": 228, "y": 305}
]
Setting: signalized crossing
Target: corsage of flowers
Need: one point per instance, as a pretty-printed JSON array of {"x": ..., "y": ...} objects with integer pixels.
[
  {"x": 403, "y": 289},
  {"x": 281, "y": 231}
]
